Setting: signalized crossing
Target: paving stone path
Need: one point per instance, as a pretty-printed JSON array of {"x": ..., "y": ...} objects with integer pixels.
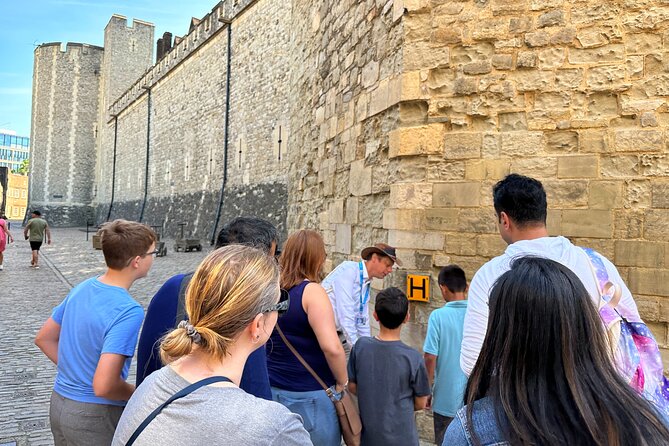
[{"x": 27, "y": 297}]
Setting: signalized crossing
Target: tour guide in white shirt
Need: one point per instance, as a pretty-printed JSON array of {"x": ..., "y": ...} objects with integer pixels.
[{"x": 348, "y": 287}]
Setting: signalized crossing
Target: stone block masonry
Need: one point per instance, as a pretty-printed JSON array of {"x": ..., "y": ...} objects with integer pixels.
[
  {"x": 388, "y": 120},
  {"x": 568, "y": 92},
  {"x": 65, "y": 108}
]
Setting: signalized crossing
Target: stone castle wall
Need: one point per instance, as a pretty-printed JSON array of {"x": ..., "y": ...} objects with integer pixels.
[
  {"x": 572, "y": 93},
  {"x": 344, "y": 109},
  {"x": 397, "y": 117},
  {"x": 187, "y": 126},
  {"x": 64, "y": 115}
]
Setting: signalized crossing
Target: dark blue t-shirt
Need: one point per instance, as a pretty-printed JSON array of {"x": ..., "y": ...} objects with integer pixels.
[
  {"x": 389, "y": 375},
  {"x": 160, "y": 319}
]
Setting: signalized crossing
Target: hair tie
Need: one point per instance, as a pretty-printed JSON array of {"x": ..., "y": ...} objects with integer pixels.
[{"x": 191, "y": 332}]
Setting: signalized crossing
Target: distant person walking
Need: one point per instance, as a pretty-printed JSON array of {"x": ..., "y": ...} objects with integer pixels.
[
  {"x": 4, "y": 235},
  {"x": 34, "y": 232}
]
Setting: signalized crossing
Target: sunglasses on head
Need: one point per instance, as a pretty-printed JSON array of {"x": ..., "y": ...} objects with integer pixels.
[{"x": 282, "y": 306}]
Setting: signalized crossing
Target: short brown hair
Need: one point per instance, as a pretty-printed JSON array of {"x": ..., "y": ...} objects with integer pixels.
[
  {"x": 122, "y": 240},
  {"x": 302, "y": 258}
]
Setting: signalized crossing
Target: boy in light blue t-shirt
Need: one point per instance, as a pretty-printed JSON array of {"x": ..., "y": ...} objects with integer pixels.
[
  {"x": 91, "y": 338},
  {"x": 442, "y": 349}
]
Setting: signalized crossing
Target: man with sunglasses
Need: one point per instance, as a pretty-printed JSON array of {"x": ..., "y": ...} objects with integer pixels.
[
  {"x": 91, "y": 337},
  {"x": 167, "y": 308}
]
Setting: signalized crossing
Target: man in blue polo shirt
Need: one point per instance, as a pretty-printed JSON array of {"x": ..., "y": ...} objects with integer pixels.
[
  {"x": 442, "y": 349},
  {"x": 167, "y": 308}
]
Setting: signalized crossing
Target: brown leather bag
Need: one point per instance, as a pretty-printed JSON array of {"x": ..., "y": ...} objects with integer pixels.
[{"x": 349, "y": 419}]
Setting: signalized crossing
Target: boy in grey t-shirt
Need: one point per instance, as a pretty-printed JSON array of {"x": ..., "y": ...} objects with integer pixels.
[{"x": 388, "y": 376}]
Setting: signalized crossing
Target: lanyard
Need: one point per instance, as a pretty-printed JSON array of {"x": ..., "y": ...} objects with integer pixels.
[{"x": 364, "y": 300}]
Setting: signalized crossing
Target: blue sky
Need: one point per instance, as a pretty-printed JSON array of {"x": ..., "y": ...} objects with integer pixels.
[{"x": 28, "y": 23}]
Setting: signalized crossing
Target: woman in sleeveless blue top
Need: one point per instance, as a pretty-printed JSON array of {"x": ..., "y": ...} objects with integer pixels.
[{"x": 309, "y": 326}]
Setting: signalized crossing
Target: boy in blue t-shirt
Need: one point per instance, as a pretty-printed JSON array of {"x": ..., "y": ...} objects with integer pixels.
[
  {"x": 442, "y": 349},
  {"x": 91, "y": 337},
  {"x": 388, "y": 376}
]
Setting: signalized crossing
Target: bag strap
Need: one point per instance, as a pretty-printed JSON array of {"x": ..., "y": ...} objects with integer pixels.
[
  {"x": 181, "y": 303},
  {"x": 180, "y": 394},
  {"x": 301, "y": 359},
  {"x": 597, "y": 269}
]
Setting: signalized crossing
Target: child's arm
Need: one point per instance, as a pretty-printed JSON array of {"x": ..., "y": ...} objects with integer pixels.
[
  {"x": 420, "y": 402},
  {"x": 107, "y": 381},
  {"x": 430, "y": 365},
  {"x": 47, "y": 339}
]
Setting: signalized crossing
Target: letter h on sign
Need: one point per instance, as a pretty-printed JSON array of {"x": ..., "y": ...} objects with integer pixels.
[{"x": 418, "y": 287}]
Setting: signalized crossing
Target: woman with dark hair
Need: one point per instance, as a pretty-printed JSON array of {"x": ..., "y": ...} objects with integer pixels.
[
  {"x": 309, "y": 326},
  {"x": 545, "y": 374}
]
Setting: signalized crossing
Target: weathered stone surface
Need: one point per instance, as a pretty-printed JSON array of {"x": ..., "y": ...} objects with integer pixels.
[
  {"x": 608, "y": 53},
  {"x": 563, "y": 194},
  {"x": 551, "y": 18},
  {"x": 411, "y": 196},
  {"x": 522, "y": 143},
  {"x": 633, "y": 140},
  {"x": 456, "y": 194},
  {"x": 587, "y": 223},
  {"x": 360, "y": 178},
  {"x": 463, "y": 145},
  {"x": 656, "y": 224},
  {"x": 641, "y": 254},
  {"x": 605, "y": 195},
  {"x": 562, "y": 141},
  {"x": 577, "y": 167},
  {"x": 431, "y": 241},
  {"x": 660, "y": 192},
  {"x": 424, "y": 140},
  {"x": 651, "y": 282},
  {"x": 404, "y": 219}
]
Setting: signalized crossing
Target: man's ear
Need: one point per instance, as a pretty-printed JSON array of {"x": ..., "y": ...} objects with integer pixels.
[
  {"x": 376, "y": 318},
  {"x": 407, "y": 317},
  {"x": 504, "y": 220}
]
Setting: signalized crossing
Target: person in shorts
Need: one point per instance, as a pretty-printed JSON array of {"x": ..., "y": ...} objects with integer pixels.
[
  {"x": 442, "y": 350},
  {"x": 4, "y": 236},
  {"x": 388, "y": 376},
  {"x": 91, "y": 337},
  {"x": 35, "y": 231}
]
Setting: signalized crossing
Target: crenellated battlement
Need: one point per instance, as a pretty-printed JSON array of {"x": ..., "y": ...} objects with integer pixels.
[
  {"x": 120, "y": 21},
  {"x": 66, "y": 47},
  {"x": 201, "y": 31}
]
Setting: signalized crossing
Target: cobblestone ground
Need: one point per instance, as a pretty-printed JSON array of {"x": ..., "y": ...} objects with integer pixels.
[{"x": 27, "y": 297}]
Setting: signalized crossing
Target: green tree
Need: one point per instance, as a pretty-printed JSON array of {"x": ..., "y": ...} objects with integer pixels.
[{"x": 24, "y": 168}]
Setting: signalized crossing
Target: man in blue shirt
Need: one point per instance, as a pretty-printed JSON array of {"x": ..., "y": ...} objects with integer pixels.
[
  {"x": 167, "y": 308},
  {"x": 442, "y": 350},
  {"x": 91, "y": 337}
]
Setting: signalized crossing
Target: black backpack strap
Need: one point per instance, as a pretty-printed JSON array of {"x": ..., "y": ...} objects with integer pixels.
[
  {"x": 180, "y": 394},
  {"x": 181, "y": 303}
]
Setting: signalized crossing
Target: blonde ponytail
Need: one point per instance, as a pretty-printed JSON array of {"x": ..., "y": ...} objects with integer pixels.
[{"x": 230, "y": 287}]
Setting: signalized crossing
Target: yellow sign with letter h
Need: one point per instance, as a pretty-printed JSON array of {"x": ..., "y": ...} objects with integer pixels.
[{"x": 418, "y": 287}]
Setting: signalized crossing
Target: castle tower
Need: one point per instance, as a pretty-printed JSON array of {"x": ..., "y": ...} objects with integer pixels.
[
  {"x": 64, "y": 114},
  {"x": 128, "y": 54}
]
